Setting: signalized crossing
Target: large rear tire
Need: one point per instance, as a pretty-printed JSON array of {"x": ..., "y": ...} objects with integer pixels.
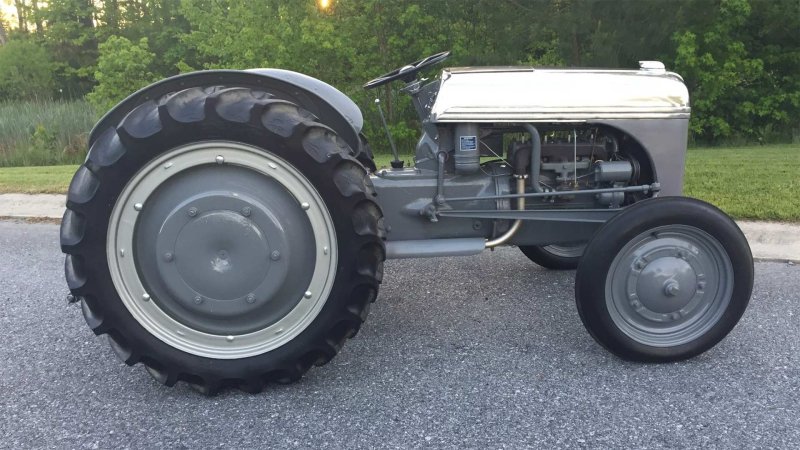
[
  {"x": 664, "y": 280},
  {"x": 224, "y": 238}
]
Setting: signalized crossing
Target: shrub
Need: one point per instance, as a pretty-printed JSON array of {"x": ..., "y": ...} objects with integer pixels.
[
  {"x": 26, "y": 71},
  {"x": 123, "y": 67}
]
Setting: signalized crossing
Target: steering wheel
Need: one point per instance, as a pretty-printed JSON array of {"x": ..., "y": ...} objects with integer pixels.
[{"x": 407, "y": 73}]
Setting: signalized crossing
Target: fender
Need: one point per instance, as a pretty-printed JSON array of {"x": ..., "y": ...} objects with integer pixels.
[{"x": 332, "y": 107}]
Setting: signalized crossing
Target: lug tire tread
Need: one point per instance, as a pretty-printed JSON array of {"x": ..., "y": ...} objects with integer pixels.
[{"x": 211, "y": 112}]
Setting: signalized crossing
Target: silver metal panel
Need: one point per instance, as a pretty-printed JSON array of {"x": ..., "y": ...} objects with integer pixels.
[
  {"x": 665, "y": 144},
  {"x": 335, "y": 97},
  {"x": 525, "y": 94},
  {"x": 428, "y": 248}
]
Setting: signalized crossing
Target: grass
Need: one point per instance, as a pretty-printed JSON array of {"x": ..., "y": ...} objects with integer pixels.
[
  {"x": 40, "y": 133},
  {"x": 760, "y": 183},
  {"x": 37, "y": 179}
]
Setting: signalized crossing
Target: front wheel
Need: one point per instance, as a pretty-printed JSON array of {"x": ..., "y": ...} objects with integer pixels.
[
  {"x": 664, "y": 280},
  {"x": 223, "y": 237}
]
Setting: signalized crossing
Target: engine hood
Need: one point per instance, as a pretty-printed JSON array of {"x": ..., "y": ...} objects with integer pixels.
[{"x": 527, "y": 94}]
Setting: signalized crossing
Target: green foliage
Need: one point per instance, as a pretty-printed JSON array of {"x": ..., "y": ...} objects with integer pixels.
[
  {"x": 735, "y": 95},
  {"x": 26, "y": 71},
  {"x": 44, "y": 132},
  {"x": 740, "y": 58},
  {"x": 71, "y": 38},
  {"x": 123, "y": 67}
]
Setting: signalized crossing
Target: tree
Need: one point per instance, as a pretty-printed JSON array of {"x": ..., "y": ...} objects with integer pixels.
[
  {"x": 71, "y": 37},
  {"x": 3, "y": 33},
  {"x": 723, "y": 76},
  {"x": 26, "y": 71},
  {"x": 122, "y": 68}
]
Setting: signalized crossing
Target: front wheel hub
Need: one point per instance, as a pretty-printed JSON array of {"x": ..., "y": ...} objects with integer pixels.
[{"x": 669, "y": 285}]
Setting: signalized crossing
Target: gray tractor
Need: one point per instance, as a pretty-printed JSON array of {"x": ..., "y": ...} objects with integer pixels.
[{"x": 229, "y": 228}]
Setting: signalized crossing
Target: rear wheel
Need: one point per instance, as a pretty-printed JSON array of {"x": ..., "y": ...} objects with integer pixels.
[
  {"x": 555, "y": 256},
  {"x": 224, "y": 238},
  {"x": 664, "y": 280}
]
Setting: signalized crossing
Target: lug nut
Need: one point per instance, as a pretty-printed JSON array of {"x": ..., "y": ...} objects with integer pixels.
[
  {"x": 137, "y": 206},
  {"x": 251, "y": 298},
  {"x": 246, "y": 211},
  {"x": 146, "y": 297},
  {"x": 198, "y": 300},
  {"x": 219, "y": 159},
  {"x": 671, "y": 289},
  {"x": 192, "y": 212},
  {"x": 307, "y": 294},
  {"x": 305, "y": 205},
  {"x": 168, "y": 257},
  {"x": 275, "y": 255}
]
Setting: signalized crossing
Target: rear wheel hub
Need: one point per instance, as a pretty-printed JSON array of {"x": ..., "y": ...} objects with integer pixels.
[{"x": 233, "y": 250}]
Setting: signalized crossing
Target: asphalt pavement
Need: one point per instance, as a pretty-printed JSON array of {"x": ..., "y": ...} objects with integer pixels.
[{"x": 475, "y": 352}]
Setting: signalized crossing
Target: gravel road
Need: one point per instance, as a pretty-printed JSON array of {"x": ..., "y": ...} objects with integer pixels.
[{"x": 475, "y": 352}]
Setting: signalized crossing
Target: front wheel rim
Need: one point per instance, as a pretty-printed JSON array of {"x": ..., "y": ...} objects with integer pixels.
[
  {"x": 669, "y": 286},
  {"x": 153, "y": 313}
]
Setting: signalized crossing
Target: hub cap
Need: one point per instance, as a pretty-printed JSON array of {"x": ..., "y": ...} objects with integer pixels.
[
  {"x": 222, "y": 250},
  {"x": 669, "y": 286}
]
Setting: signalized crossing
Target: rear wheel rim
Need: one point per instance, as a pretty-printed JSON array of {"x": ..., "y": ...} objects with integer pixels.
[
  {"x": 565, "y": 250},
  {"x": 229, "y": 272},
  {"x": 669, "y": 286}
]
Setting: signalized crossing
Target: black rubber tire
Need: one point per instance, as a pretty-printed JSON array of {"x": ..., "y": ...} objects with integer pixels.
[
  {"x": 541, "y": 256},
  {"x": 365, "y": 155},
  {"x": 590, "y": 279},
  {"x": 250, "y": 117}
]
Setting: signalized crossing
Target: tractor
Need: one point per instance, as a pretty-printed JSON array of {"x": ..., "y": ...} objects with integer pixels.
[{"x": 229, "y": 227}]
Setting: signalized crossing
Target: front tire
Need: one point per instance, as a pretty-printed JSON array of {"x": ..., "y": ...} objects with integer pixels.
[
  {"x": 664, "y": 280},
  {"x": 223, "y": 237}
]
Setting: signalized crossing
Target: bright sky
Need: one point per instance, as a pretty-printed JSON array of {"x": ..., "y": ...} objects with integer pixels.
[{"x": 9, "y": 12}]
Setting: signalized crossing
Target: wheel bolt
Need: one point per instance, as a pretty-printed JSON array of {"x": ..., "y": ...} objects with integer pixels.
[
  {"x": 251, "y": 298},
  {"x": 671, "y": 289},
  {"x": 275, "y": 255},
  {"x": 246, "y": 211},
  {"x": 137, "y": 206},
  {"x": 639, "y": 265},
  {"x": 146, "y": 297},
  {"x": 168, "y": 257},
  {"x": 219, "y": 159},
  {"x": 305, "y": 205},
  {"x": 307, "y": 294},
  {"x": 192, "y": 211},
  {"x": 198, "y": 300}
]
